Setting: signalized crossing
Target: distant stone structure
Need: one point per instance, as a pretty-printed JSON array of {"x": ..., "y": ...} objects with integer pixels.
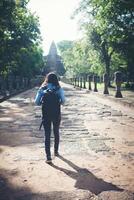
[{"x": 53, "y": 62}]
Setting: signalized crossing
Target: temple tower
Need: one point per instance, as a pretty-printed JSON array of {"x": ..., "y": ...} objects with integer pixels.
[{"x": 53, "y": 61}]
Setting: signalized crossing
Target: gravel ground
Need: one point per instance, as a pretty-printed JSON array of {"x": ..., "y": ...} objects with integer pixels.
[{"x": 96, "y": 148}]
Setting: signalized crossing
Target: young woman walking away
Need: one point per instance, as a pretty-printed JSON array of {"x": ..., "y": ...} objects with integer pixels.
[{"x": 50, "y": 95}]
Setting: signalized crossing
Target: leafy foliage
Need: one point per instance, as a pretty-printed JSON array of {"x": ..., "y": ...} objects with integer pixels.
[
  {"x": 113, "y": 29},
  {"x": 20, "y": 38}
]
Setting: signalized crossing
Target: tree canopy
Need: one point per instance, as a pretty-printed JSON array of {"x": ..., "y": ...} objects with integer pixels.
[
  {"x": 20, "y": 39},
  {"x": 108, "y": 40}
]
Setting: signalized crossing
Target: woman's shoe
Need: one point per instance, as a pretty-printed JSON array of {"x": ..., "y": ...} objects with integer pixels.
[
  {"x": 56, "y": 154},
  {"x": 49, "y": 161}
]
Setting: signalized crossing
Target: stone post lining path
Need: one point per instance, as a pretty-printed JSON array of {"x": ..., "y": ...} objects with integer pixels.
[{"x": 97, "y": 150}]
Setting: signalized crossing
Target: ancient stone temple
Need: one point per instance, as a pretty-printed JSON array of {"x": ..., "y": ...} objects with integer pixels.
[{"x": 53, "y": 62}]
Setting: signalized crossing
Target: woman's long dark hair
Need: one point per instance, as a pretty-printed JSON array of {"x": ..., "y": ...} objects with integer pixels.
[{"x": 51, "y": 78}]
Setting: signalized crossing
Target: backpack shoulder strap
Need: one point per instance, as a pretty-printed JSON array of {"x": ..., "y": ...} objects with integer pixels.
[
  {"x": 56, "y": 88},
  {"x": 44, "y": 88}
]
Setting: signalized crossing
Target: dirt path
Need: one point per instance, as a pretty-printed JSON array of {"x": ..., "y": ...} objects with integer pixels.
[{"x": 97, "y": 148}]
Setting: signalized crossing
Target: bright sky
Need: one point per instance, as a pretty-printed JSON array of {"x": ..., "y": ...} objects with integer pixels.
[{"x": 55, "y": 22}]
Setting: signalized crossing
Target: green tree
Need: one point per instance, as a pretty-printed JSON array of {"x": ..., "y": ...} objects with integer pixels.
[
  {"x": 101, "y": 44},
  {"x": 65, "y": 49},
  {"x": 75, "y": 56},
  {"x": 112, "y": 23},
  {"x": 121, "y": 28},
  {"x": 20, "y": 39},
  {"x": 64, "y": 45}
]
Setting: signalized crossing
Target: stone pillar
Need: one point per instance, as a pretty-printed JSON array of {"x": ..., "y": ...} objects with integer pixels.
[
  {"x": 17, "y": 83},
  {"x": 26, "y": 81},
  {"x": 81, "y": 82},
  {"x": 78, "y": 82},
  {"x": 22, "y": 83},
  {"x": 29, "y": 83},
  {"x": 75, "y": 82},
  {"x": 95, "y": 83},
  {"x": 89, "y": 82},
  {"x": 106, "y": 81},
  {"x": 84, "y": 82},
  {"x": 14, "y": 83},
  {"x": 118, "y": 82},
  {"x": 72, "y": 81},
  {"x": 10, "y": 83},
  {"x": 3, "y": 85}
]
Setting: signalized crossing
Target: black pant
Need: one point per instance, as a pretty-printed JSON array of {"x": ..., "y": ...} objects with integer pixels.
[{"x": 47, "y": 127}]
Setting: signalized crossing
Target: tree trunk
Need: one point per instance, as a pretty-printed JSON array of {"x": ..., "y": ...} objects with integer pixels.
[
  {"x": 107, "y": 59},
  {"x": 107, "y": 65}
]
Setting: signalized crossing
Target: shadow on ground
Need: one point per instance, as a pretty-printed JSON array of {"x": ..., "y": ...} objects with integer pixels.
[
  {"x": 14, "y": 192},
  {"x": 85, "y": 179},
  {"x": 92, "y": 187},
  {"x": 7, "y": 190}
]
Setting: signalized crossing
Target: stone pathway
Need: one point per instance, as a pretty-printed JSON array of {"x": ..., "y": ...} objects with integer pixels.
[
  {"x": 127, "y": 100},
  {"x": 97, "y": 148}
]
